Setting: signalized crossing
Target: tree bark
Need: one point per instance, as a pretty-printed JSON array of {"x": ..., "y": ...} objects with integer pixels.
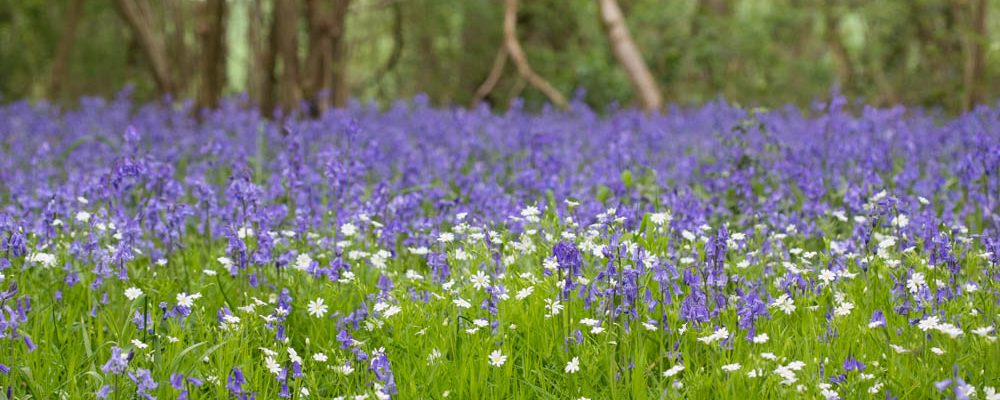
[
  {"x": 269, "y": 81},
  {"x": 213, "y": 53},
  {"x": 521, "y": 60},
  {"x": 178, "y": 49},
  {"x": 340, "y": 91},
  {"x": 287, "y": 52},
  {"x": 257, "y": 75},
  {"x": 628, "y": 55},
  {"x": 974, "y": 58},
  {"x": 65, "y": 48},
  {"x": 137, "y": 15}
]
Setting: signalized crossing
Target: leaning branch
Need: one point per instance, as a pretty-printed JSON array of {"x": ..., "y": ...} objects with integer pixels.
[
  {"x": 521, "y": 60},
  {"x": 136, "y": 14},
  {"x": 628, "y": 55}
]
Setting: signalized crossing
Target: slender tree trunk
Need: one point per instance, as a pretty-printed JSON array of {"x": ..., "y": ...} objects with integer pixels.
[
  {"x": 340, "y": 90},
  {"x": 628, "y": 55},
  {"x": 974, "y": 55},
  {"x": 324, "y": 82},
  {"x": 269, "y": 90},
  {"x": 183, "y": 69},
  {"x": 212, "y": 34},
  {"x": 521, "y": 60},
  {"x": 256, "y": 74},
  {"x": 320, "y": 56},
  {"x": 287, "y": 52},
  {"x": 137, "y": 15},
  {"x": 65, "y": 48}
]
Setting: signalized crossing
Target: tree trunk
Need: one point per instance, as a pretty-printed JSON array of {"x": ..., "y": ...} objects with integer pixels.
[
  {"x": 137, "y": 15},
  {"x": 287, "y": 53},
  {"x": 521, "y": 60},
  {"x": 973, "y": 72},
  {"x": 340, "y": 91},
  {"x": 182, "y": 70},
  {"x": 269, "y": 81},
  {"x": 628, "y": 55},
  {"x": 65, "y": 48},
  {"x": 256, "y": 74},
  {"x": 324, "y": 81},
  {"x": 212, "y": 34}
]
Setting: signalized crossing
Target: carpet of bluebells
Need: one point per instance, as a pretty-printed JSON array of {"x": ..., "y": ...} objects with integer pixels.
[{"x": 424, "y": 253}]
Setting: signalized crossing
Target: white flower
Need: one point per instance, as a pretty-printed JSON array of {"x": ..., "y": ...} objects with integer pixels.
[
  {"x": 843, "y": 309},
  {"x": 392, "y": 310},
  {"x": 345, "y": 369},
  {"x": 524, "y": 293},
  {"x": 225, "y": 261},
  {"x": 731, "y": 367},
  {"x": 572, "y": 366},
  {"x": 497, "y": 358},
  {"x": 44, "y": 259},
  {"x": 827, "y": 276},
  {"x": 937, "y": 350},
  {"x": 676, "y": 369},
  {"x": 660, "y": 218},
  {"x": 433, "y": 356},
  {"x": 161, "y": 262},
  {"x": 553, "y": 307},
  {"x": 928, "y": 323},
  {"x": 187, "y": 300},
  {"x": 550, "y": 264},
  {"x": 244, "y": 231},
  {"x": 349, "y": 229},
  {"x": 293, "y": 356},
  {"x": 462, "y": 303},
  {"x": 530, "y": 213},
  {"x": 272, "y": 365},
  {"x": 303, "y": 262},
  {"x": 319, "y": 357},
  {"x": 965, "y": 391},
  {"x": 139, "y": 344},
  {"x": 719, "y": 334},
  {"x": 133, "y": 293},
  {"x": 480, "y": 280},
  {"x": 446, "y": 237},
  {"x": 991, "y": 393},
  {"x": 950, "y": 330},
  {"x": 784, "y": 303},
  {"x": 916, "y": 282},
  {"x": 761, "y": 338},
  {"x": 83, "y": 216},
  {"x": 317, "y": 308},
  {"x": 768, "y": 356},
  {"x": 983, "y": 331}
]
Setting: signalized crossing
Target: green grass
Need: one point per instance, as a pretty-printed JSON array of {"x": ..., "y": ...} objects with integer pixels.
[{"x": 616, "y": 363}]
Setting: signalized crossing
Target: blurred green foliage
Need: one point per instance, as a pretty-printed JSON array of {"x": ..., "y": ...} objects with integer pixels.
[{"x": 755, "y": 52}]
